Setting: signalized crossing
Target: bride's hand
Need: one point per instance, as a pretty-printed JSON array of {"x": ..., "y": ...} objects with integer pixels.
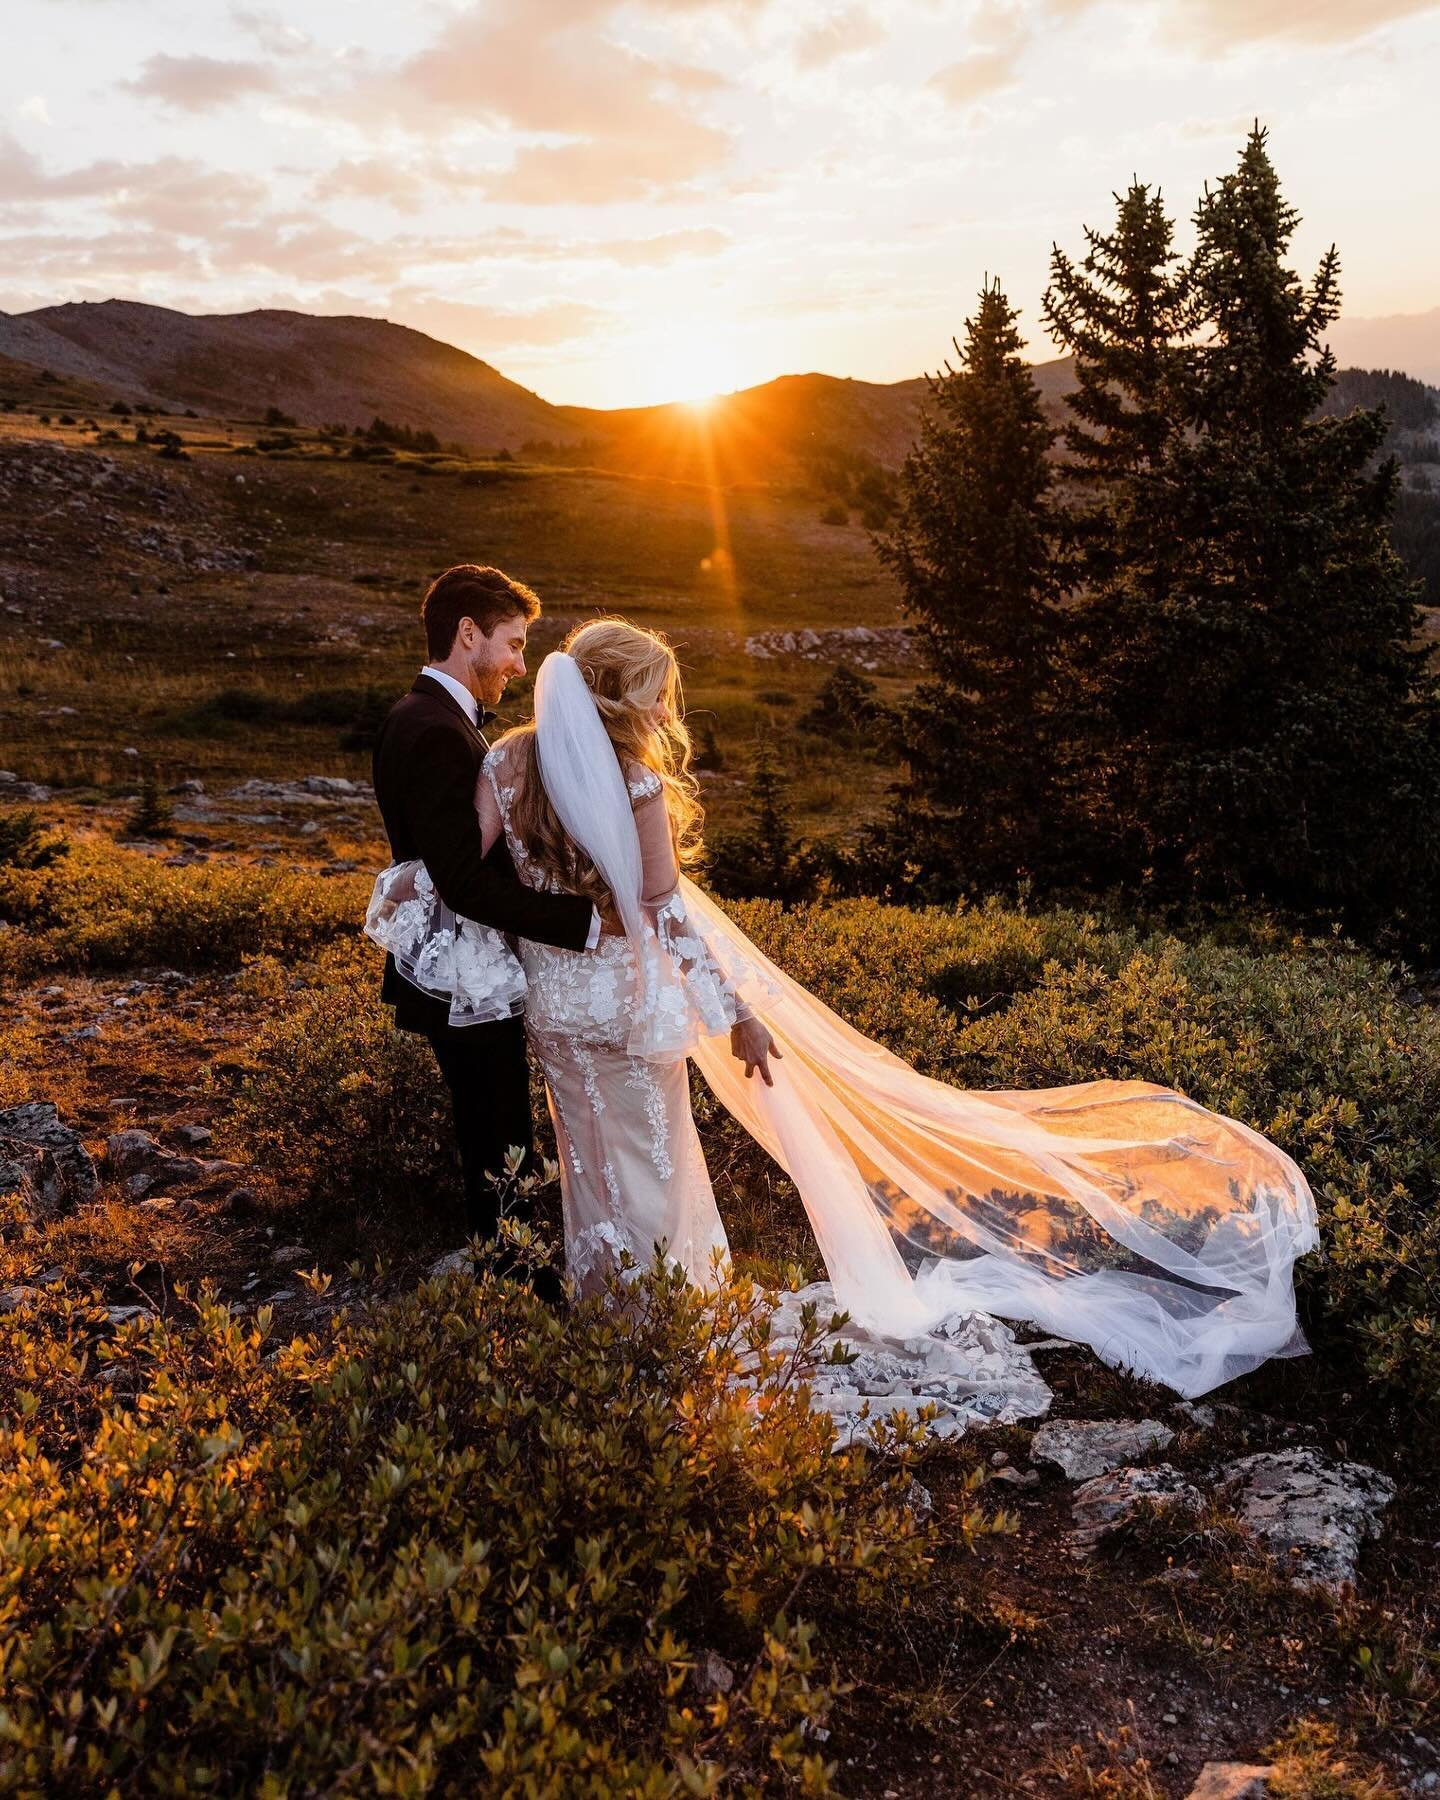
[{"x": 753, "y": 1045}]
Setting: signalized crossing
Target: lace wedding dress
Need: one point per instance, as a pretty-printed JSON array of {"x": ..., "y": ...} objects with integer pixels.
[
  {"x": 633, "y": 1174},
  {"x": 1117, "y": 1214}
]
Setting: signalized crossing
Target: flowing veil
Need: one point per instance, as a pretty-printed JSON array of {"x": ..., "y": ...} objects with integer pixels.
[{"x": 1112, "y": 1213}]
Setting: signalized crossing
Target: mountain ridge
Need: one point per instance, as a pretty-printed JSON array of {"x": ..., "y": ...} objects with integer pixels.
[{"x": 348, "y": 369}]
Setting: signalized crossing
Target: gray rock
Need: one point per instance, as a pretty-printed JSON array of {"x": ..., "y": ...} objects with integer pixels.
[
  {"x": 456, "y": 1262},
  {"x": 712, "y": 1674},
  {"x": 1084, "y": 1448},
  {"x": 44, "y": 1162},
  {"x": 291, "y": 1253},
  {"x": 13, "y": 1298},
  {"x": 1312, "y": 1513},
  {"x": 194, "y": 1135},
  {"x": 122, "y": 1315},
  {"x": 1111, "y": 1500},
  {"x": 919, "y": 1500},
  {"x": 1232, "y": 1781},
  {"x": 131, "y": 1152},
  {"x": 134, "y": 1154}
]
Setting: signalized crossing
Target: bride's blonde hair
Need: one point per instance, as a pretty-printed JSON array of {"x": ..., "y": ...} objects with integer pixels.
[{"x": 628, "y": 669}]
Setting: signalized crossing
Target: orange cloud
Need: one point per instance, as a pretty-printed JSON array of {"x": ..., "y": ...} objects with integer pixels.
[
  {"x": 199, "y": 83},
  {"x": 1220, "y": 23}
]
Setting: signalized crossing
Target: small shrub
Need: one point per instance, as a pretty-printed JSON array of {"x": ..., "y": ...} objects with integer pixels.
[
  {"x": 348, "y": 1111},
  {"x": 24, "y": 844},
  {"x": 835, "y": 514},
  {"x": 153, "y": 813},
  {"x": 108, "y": 908},
  {"x": 458, "y": 1545},
  {"x": 847, "y": 708}
]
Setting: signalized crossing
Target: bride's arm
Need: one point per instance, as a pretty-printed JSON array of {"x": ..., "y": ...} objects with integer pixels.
[{"x": 750, "y": 1040}]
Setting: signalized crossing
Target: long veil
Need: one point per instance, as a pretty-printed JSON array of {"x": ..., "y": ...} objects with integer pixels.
[{"x": 1113, "y": 1213}]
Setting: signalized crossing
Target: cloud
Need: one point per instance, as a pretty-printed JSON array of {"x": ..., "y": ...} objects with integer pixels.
[
  {"x": 487, "y": 330},
  {"x": 199, "y": 83},
  {"x": 35, "y": 109},
  {"x": 170, "y": 194},
  {"x": 630, "y": 121},
  {"x": 651, "y": 252},
  {"x": 1221, "y": 24},
  {"x": 842, "y": 34},
  {"x": 57, "y": 261},
  {"x": 598, "y": 171},
  {"x": 273, "y": 32},
  {"x": 997, "y": 32}
]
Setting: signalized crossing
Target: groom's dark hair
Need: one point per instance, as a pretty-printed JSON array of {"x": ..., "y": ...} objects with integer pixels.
[{"x": 471, "y": 591}]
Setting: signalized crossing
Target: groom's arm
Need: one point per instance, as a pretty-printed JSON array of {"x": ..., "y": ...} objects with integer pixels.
[{"x": 446, "y": 833}]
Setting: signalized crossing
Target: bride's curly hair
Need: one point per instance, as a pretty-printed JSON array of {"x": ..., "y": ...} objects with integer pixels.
[{"x": 628, "y": 669}]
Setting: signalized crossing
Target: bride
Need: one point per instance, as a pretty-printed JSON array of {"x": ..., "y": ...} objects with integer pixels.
[{"x": 1113, "y": 1213}]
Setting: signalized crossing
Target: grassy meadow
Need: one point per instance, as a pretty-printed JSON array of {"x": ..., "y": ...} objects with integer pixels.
[
  {"x": 247, "y": 613},
  {"x": 288, "y": 1515}
]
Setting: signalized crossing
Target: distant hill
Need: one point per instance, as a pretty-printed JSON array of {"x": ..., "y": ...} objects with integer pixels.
[
  {"x": 777, "y": 430},
  {"x": 321, "y": 370},
  {"x": 348, "y": 370}
]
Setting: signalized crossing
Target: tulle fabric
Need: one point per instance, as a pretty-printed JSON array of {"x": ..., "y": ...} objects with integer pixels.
[
  {"x": 451, "y": 958},
  {"x": 1113, "y": 1213},
  {"x": 586, "y": 786}
]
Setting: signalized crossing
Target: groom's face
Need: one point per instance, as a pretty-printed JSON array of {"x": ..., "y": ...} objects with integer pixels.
[{"x": 495, "y": 660}]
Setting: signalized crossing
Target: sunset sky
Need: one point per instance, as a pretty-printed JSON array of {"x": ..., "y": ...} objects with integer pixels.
[{"x": 620, "y": 203}]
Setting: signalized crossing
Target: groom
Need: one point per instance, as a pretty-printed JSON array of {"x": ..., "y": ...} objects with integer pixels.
[{"x": 427, "y": 761}]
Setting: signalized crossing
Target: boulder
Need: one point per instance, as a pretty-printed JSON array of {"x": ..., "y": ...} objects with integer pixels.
[
  {"x": 1311, "y": 1512},
  {"x": 141, "y": 1163},
  {"x": 44, "y": 1162},
  {"x": 1111, "y": 1500},
  {"x": 1084, "y": 1448}
]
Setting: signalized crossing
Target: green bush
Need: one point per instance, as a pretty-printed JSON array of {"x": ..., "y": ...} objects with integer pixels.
[
  {"x": 351, "y": 1113},
  {"x": 24, "y": 844},
  {"x": 461, "y": 1545},
  {"x": 106, "y": 908}
]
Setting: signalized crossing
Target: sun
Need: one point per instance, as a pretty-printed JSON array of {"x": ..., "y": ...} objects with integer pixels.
[{"x": 695, "y": 371}]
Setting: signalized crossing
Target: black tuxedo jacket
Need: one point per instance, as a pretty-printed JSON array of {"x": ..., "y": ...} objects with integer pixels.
[{"x": 426, "y": 763}]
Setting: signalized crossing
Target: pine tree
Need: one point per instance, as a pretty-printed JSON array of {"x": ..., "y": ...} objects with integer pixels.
[
  {"x": 970, "y": 547},
  {"x": 1290, "y": 748},
  {"x": 763, "y": 858},
  {"x": 1123, "y": 313}
]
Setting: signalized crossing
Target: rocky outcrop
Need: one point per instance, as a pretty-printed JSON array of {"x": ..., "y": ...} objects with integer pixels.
[
  {"x": 1084, "y": 1448},
  {"x": 145, "y": 1166},
  {"x": 1313, "y": 1514},
  {"x": 1109, "y": 1501},
  {"x": 44, "y": 1162},
  {"x": 868, "y": 646}
]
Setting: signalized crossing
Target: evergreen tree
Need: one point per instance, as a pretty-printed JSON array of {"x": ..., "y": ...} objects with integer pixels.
[
  {"x": 764, "y": 858},
  {"x": 970, "y": 547},
  {"x": 1123, "y": 313},
  {"x": 1290, "y": 745},
  {"x": 152, "y": 814}
]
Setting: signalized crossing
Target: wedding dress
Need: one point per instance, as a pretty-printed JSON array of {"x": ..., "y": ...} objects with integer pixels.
[{"x": 1117, "y": 1214}]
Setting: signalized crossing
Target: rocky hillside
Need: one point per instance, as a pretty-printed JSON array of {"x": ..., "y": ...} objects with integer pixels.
[{"x": 320, "y": 370}]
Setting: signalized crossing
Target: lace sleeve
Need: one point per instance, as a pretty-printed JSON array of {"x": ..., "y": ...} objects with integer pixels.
[{"x": 693, "y": 955}]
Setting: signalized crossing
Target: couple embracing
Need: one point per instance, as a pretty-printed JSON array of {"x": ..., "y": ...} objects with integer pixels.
[{"x": 538, "y": 897}]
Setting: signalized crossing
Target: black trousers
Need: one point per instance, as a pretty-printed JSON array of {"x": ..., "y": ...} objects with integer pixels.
[{"x": 488, "y": 1077}]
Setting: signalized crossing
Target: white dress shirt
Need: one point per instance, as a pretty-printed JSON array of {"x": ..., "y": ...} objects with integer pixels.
[{"x": 464, "y": 699}]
